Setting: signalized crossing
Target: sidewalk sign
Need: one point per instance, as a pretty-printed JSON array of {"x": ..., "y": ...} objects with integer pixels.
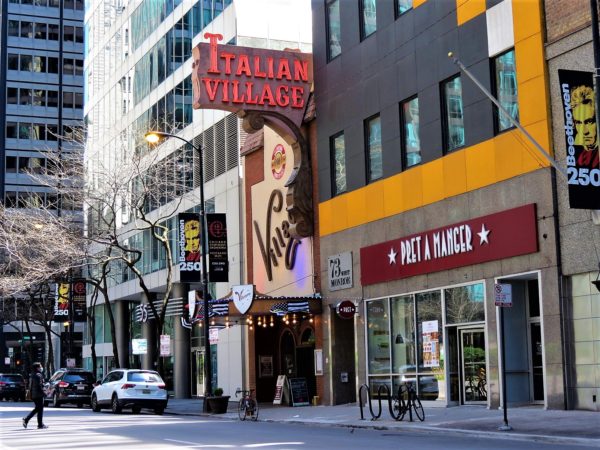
[
  {"x": 280, "y": 389},
  {"x": 299, "y": 392}
]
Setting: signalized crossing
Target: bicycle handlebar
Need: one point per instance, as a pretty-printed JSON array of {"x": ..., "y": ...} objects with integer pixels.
[{"x": 244, "y": 392}]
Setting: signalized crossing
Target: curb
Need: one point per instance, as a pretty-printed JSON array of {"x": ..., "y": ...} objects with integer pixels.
[{"x": 416, "y": 428}]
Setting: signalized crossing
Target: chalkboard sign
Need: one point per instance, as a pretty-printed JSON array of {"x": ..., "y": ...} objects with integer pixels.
[{"x": 299, "y": 391}]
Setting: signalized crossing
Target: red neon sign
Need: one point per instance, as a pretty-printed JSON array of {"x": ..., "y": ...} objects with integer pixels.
[{"x": 235, "y": 78}]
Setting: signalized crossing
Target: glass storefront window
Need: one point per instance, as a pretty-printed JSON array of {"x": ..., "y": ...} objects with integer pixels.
[
  {"x": 378, "y": 337},
  {"x": 403, "y": 334},
  {"x": 465, "y": 304}
]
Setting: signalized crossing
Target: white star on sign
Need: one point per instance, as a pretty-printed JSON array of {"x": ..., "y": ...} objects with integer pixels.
[
  {"x": 392, "y": 255},
  {"x": 483, "y": 235}
]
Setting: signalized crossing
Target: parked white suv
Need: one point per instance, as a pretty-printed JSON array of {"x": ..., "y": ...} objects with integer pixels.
[{"x": 130, "y": 388}]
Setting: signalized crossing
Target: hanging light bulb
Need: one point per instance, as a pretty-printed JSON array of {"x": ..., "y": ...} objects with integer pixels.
[
  {"x": 294, "y": 319},
  {"x": 212, "y": 322},
  {"x": 259, "y": 321},
  {"x": 251, "y": 328},
  {"x": 311, "y": 319},
  {"x": 200, "y": 324},
  {"x": 272, "y": 322}
]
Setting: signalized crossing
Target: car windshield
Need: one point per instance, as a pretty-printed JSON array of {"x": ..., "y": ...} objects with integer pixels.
[
  {"x": 86, "y": 377},
  {"x": 148, "y": 377},
  {"x": 12, "y": 378}
]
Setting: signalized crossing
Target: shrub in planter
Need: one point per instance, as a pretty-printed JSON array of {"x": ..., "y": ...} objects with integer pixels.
[{"x": 218, "y": 403}]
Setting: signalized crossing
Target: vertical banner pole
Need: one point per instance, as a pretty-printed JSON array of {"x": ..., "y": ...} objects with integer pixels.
[{"x": 505, "y": 426}]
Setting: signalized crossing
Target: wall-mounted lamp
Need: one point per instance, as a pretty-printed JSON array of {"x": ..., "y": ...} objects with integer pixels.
[{"x": 399, "y": 339}]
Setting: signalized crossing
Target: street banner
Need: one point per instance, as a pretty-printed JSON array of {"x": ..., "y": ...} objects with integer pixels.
[
  {"x": 218, "y": 269},
  {"x": 189, "y": 252},
  {"x": 79, "y": 305},
  {"x": 581, "y": 138},
  {"x": 139, "y": 346},
  {"x": 61, "y": 302},
  {"x": 165, "y": 345}
]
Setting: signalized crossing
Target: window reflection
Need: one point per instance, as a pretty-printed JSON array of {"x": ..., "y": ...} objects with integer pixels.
[
  {"x": 454, "y": 118},
  {"x": 465, "y": 304},
  {"x": 333, "y": 29},
  {"x": 338, "y": 149},
  {"x": 506, "y": 89},
  {"x": 412, "y": 143},
  {"x": 374, "y": 154}
]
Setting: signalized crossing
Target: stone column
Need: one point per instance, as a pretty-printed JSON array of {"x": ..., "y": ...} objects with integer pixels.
[
  {"x": 149, "y": 333},
  {"x": 181, "y": 360},
  {"x": 122, "y": 331}
]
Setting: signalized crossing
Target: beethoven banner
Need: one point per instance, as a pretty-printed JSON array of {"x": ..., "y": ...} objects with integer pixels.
[
  {"x": 189, "y": 255},
  {"x": 581, "y": 138}
]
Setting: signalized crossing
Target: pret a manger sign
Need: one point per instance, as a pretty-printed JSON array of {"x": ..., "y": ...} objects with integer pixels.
[
  {"x": 501, "y": 235},
  {"x": 236, "y": 78}
]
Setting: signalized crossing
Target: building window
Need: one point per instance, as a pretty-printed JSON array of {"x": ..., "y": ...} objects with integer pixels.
[
  {"x": 454, "y": 136},
  {"x": 338, "y": 163},
  {"x": 373, "y": 144},
  {"x": 410, "y": 129},
  {"x": 505, "y": 84},
  {"x": 12, "y": 95},
  {"x": 402, "y": 6},
  {"x": 368, "y": 16},
  {"x": 11, "y": 164},
  {"x": 334, "y": 37}
]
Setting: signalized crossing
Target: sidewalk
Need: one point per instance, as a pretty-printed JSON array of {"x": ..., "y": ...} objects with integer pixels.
[{"x": 528, "y": 423}]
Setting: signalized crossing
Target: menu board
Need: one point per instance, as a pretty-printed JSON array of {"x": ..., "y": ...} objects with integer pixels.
[{"x": 299, "y": 392}]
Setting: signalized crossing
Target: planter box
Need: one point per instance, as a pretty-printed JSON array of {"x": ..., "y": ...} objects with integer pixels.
[{"x": 218, "y": 405}]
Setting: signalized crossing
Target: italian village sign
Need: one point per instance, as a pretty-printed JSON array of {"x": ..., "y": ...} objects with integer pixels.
[
  {"x": 262, "y": 87},
  {"x": 266, "y": 88}
]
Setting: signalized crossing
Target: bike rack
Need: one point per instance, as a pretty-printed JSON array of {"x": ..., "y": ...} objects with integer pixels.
[
  {"x": 374, "y": 416},
  {"x": 381, "y": 388}
]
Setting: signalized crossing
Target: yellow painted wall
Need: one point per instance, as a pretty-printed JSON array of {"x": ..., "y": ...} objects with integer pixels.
[{"x": 507, "y": 155}]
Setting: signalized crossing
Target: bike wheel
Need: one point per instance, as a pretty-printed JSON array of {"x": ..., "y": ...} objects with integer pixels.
[
  {"x": 418, "y": 408},
  {"x": 398, "y": 408},
  {"x": 242, "y": 410},
  {"x": 255, "y": 410}
]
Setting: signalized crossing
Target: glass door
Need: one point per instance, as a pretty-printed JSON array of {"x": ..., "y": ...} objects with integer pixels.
[
  {"x": 474, "y": 380},
  {"x": 537, "y": 363}
]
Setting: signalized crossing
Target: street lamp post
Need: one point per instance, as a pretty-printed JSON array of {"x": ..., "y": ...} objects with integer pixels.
[{"x": 154, "y": 137}]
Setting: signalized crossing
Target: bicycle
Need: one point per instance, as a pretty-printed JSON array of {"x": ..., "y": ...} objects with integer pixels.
[
  {"x": 407, "y": 401},
  {"x": 247, "y": 407}
]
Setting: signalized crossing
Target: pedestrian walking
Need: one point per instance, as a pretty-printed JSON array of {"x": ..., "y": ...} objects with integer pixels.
[{"x": 36, "y": 388}]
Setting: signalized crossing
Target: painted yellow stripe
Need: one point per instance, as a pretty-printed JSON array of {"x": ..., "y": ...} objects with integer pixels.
[
  {"x": 417, "y": 3},
  {"x": 505, "y": 156},
  {"x": 468, "y": 9}
]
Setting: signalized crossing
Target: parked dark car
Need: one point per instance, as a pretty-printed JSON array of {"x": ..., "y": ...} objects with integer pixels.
[
  {"x": 69, "y": 386},
  {"x": 13, "y": 386}
]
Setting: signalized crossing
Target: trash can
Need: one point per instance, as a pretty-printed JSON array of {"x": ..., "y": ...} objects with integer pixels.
[{"x": 315, "y": 400}]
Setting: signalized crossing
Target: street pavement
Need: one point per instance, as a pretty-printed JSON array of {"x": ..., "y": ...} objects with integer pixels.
[{"x": 530, "y": 423}]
